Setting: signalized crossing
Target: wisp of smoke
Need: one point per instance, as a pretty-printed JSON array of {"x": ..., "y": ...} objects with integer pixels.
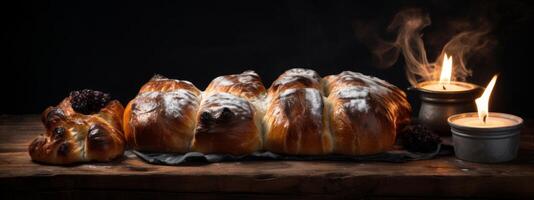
[{"x": 408, "y": 25}]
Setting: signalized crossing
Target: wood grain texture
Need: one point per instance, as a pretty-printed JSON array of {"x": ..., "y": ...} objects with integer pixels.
[{"x": 130, "y": 178}]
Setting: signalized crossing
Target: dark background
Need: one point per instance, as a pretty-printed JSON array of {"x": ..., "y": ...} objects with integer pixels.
[{"x": 54, "y": 47}]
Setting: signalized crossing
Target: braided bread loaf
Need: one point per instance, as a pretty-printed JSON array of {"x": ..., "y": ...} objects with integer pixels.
[{"x": 300, "y": 114}]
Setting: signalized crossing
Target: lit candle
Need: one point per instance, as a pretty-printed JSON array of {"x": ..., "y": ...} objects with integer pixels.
[
  {"x": 482, "y": 118},
  {"x": 485, "y": 136},
  {"x": 444, "y": 97},
  {"x": 445, "y": 84}
]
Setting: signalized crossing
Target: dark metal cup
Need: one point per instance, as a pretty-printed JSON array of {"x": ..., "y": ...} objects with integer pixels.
[
  {"x": 484, "y": 144},
  {"x": 437, "y": 106}
]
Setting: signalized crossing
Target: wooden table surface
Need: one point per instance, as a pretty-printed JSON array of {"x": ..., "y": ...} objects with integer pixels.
[{"x": 131, "y": 178}]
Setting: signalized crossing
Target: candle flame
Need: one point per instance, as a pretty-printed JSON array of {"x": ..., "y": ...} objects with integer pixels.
[
  {"x": 482, "y": 101},
  {"x": 446, "y": 71}
]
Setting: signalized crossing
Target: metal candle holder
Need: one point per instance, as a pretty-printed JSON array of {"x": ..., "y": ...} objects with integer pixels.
[
  {"x": 437, "y": 106},
  {"x": 485, "y": 144}
]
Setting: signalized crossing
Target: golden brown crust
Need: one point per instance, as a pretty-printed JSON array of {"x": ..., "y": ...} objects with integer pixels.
[
  {"x": 73, "y": 137},
  {"x": 296, "y": 123},
  {"x": 227, "y": 124},
  {"x": 161, "y": 118},
  {"x": 295, "y": 118},
  {"x": 294, "y": 79},
  {"x": 159, "y": 83},
  {"x": 366, "y": 113},
  {"x": 247, "y": 85}
]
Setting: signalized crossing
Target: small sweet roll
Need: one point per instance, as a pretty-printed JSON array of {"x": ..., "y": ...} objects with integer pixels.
[
  {"x": 295, "y": 120},
  {"x": 366, "y": 113},
  {"x": 161, "y": 118},
  {"x": 227, "y": 124},
  {"x": 85, "y": 126}
]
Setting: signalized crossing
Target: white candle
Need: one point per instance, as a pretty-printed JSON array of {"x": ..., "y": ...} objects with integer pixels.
[
  {"x": 495, "y": 121},
  {"x": 453, "y": 86},
  {"x": 445, "y": 88}
]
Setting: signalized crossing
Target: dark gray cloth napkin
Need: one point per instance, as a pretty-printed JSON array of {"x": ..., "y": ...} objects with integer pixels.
[{"x": 195, "y": 158}]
